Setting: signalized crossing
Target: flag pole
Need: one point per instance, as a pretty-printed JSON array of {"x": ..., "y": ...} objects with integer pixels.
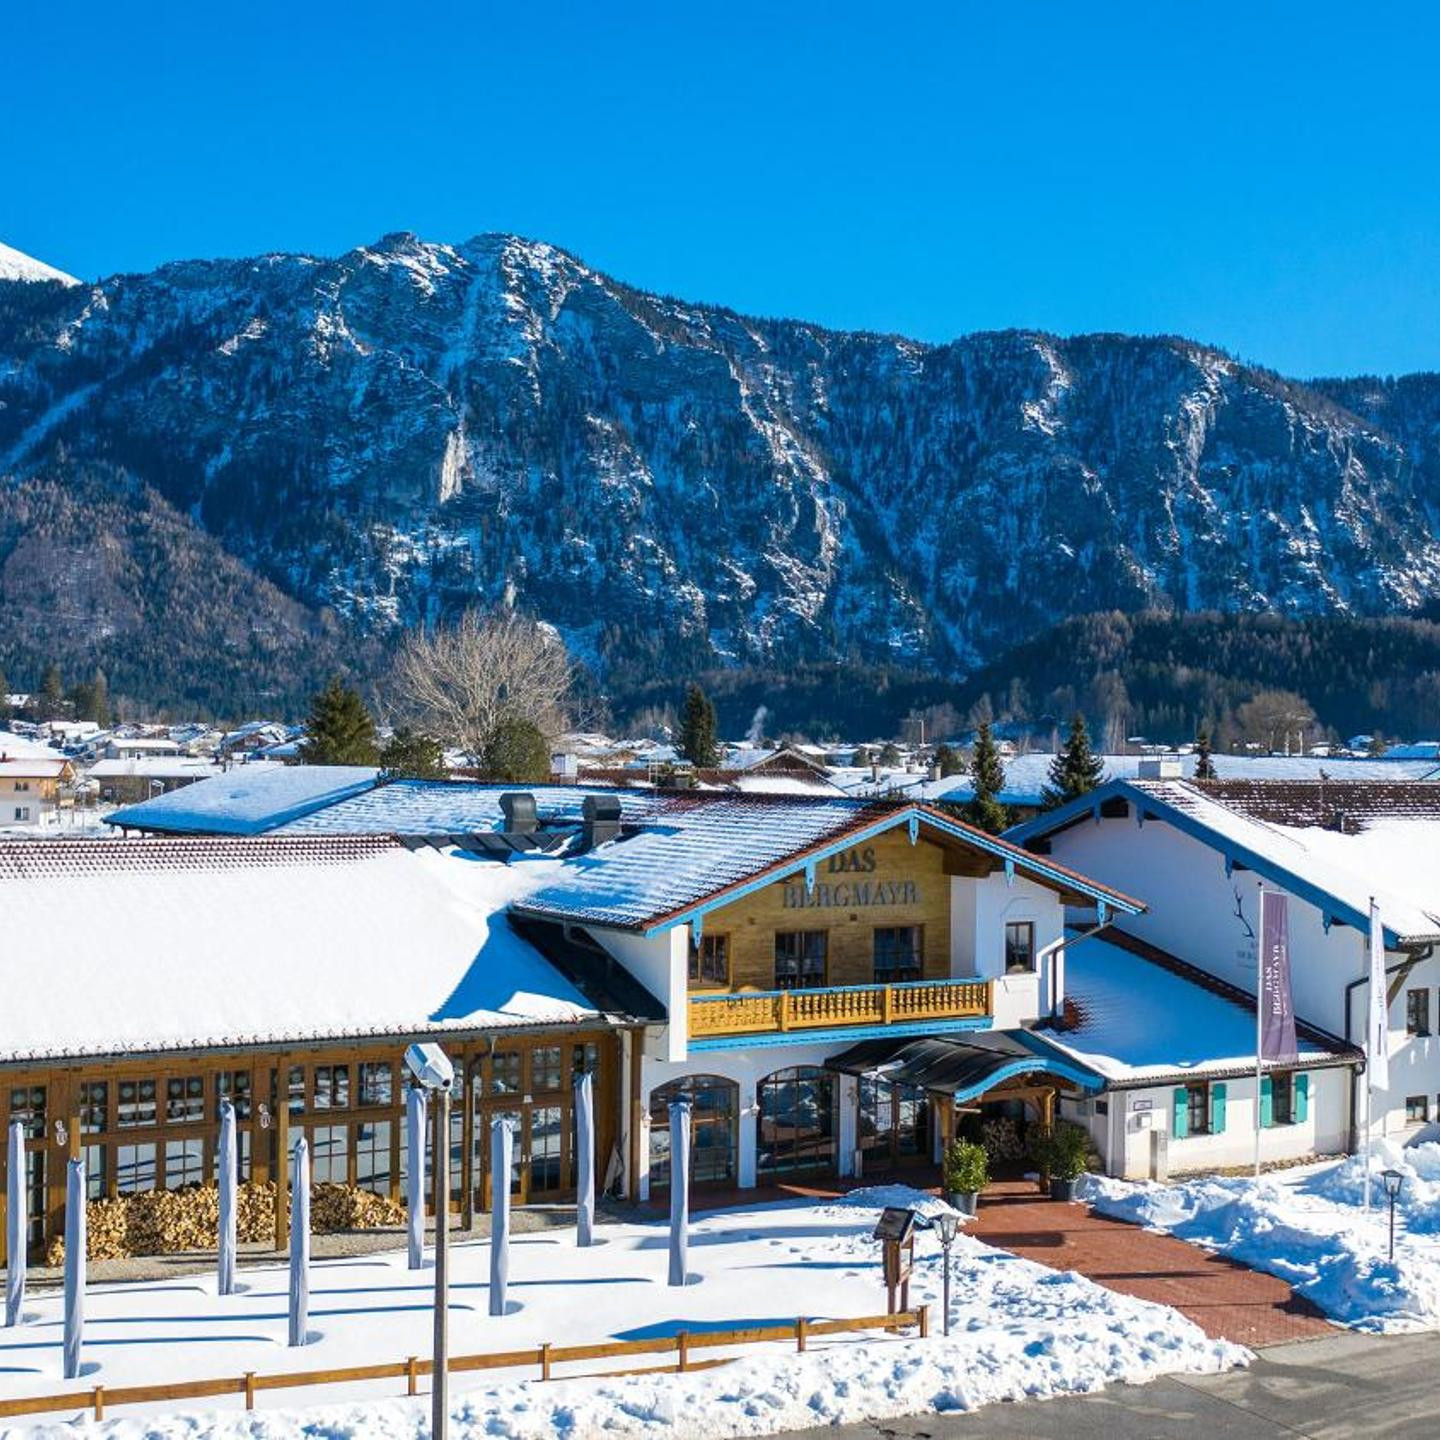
[{"x": 1259, "y": 1031}]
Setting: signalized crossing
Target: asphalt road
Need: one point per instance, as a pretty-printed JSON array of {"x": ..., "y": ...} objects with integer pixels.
[{"x": 1340, "y": 1386}]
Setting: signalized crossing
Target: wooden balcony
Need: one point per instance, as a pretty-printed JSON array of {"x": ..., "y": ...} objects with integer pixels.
[{"x": 837, "y": 1007}]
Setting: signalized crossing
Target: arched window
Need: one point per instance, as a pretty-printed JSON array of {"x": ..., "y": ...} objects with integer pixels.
[
  {"x": 714, "y": 1108},
  {"x": 797, "y": 1121}
]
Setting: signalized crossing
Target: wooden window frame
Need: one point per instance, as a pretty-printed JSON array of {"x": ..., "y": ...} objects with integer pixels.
[
  {"x": 1202, "y": 1090},
  {"x": 698, "y": 979},
  {"x": 888, "y": 975},
  {"x": 1029, "y": 927},
  {"x": 800, "y": 983},
  {"x": 1417, "y": 1011}
]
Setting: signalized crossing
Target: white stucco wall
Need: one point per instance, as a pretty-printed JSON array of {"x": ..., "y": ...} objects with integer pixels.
[
  {"x": 747, "y": 1068},
  {"x": 1205, "y": 917},
  {"x": 660, "y": 964},
  {"x": 979, "y": 912},
  {"x": 1123, "y": 1135}
]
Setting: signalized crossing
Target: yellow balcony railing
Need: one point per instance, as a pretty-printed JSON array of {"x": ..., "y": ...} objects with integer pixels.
[{"x": 836, "y": 1007}]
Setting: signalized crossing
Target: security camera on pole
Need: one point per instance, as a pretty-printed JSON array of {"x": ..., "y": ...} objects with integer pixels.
[{"x": 430, "y": 1068}]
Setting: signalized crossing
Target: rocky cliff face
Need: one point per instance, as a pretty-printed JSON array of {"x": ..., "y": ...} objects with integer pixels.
[{"x": 412, "y": 428}]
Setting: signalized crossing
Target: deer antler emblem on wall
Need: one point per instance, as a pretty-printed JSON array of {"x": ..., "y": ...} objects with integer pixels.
[{"x": 1240, "y": 913}]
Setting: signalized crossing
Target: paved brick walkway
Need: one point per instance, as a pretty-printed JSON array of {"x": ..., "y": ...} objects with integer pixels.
[{"x": 1225, "y": 1299}]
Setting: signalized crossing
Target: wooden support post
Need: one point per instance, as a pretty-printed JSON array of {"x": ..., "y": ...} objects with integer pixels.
[
  {"x": 545, "y": 1361},
  {"x": 412, "y": 1376},
  {"x": 467, "y": 1144},
  {"x": 924, "y": 1322},
  {"x": 249, "y": 1389},
  {"x": 682, "y": 1344},
  {"x": 782, "y": 1006},
  {"x": 887, "y": 1013},
  {"x": 801, "y": 1326},
  {"x": 98, "y": 1400},
  {"x": 282, "y": 1154},
  {"x": 637, "y": 1108}
]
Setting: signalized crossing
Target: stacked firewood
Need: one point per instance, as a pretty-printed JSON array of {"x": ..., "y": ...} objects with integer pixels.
[{"x": 167, "y": 1222}]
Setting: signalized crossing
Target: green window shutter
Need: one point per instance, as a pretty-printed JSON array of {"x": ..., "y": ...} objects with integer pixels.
[
  {"x": 1217, "y": 1108},
  {"x": 1302, "y": 1098},
  {"x": 1267, "y": 1102},
  {"x": 1180, "y": 1115}
]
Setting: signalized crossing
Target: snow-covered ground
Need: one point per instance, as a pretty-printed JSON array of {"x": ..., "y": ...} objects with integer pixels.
[
  {"x": 1310, "y": 1227},
  {"x": 1019, "y": 1330}
]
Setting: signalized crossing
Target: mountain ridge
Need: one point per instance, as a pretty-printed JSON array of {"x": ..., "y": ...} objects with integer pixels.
[{"x": 409, "y": 428}]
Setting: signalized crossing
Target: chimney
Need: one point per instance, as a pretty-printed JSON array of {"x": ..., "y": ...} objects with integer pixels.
[
  {"x": 518, "y": 807},
  {"x": 601, "y": 820}
]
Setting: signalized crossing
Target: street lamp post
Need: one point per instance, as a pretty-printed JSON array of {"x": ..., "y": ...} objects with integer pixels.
[
  {"x": 1393, "y": 1181},
  {"x": 431, "y": 1069},
  {"x": 947, "y": 1222}
]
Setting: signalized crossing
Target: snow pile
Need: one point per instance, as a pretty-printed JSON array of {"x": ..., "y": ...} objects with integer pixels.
[
  {"x": 1310, "y": 1228},
  {"x": 1019, "y": 1330}
]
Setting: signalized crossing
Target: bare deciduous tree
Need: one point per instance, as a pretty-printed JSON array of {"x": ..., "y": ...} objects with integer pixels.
[{"x": 459, "y": 681}]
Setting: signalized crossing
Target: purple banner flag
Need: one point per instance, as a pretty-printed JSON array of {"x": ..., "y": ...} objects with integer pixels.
[{"x": 1277, "y": 1014}]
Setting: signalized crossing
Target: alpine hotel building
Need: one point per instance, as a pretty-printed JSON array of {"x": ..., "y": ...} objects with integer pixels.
[{"x": 838, "y": 986}]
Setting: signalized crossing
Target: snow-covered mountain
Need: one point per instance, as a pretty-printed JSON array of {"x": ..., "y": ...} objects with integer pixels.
[
  {"x": 16, "y": 265},
  {"x": 414, "y": 427}
]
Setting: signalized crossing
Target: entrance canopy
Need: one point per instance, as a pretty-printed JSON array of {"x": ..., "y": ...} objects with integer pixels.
[{"x": 962, "y": 1067}]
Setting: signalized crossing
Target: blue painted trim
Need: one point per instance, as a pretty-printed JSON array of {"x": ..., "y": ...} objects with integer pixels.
[
  {"x": 914, "y": 827},
  {"x": 697, "y": 931},
  {"x": 1057, "y": 1063},
  {"x": 1233, "y": 853},
  {"x": 1001, "y": 849},
  {"x": 810, "y": 878},
  {"x": 1009, "y": 872},
  {"x": 848, "y": 1033}
]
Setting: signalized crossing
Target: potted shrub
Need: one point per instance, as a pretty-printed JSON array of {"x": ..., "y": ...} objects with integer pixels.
[
  {"x": 1068, "y": 1153},
  {"x": 966, "y": 1173}
]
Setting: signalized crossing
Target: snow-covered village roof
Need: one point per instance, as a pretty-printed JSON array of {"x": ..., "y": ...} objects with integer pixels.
[
  {"x": 1384, "y": 849},
  {"x": 247, "y": 800},
  {"x": 698, "y": 850},
  {"x": 1026, "y": 776},
  {"x": 1142, "y": 1019},
  {"x": 141, "y": 945},
  {"x": 34, "y": 768},
  {"x": 677, "y": 850},
  {"x": 453, "y": 807}
]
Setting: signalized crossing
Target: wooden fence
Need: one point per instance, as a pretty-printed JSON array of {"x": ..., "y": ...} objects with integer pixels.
[{"x": 682, "y": 1346}]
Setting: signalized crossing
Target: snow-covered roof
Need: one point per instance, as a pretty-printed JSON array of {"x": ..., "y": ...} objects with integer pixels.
[
  {"x": 1140, "y": 1020},
  {"x": 1390, "y": 859},
  {"x": 22, "y": 747},
  {"x": 162, "y": 944},
  {"x": 157, "y": 767},
  {"x": 247, "y": 800},
  {"x": 699, "y": 849},
  {"x": 1026, "y": 776},
  {"x": 453, "y": 807},
  {"x": 34, "y": 767}
]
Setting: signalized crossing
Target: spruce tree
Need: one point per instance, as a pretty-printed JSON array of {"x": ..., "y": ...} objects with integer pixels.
[
  {"x": 985, "y": 810},
  {"x": 409, "y": 755},
  {"x": 339, "y": 730},
  {"x": 517, "y": 751},
  {"x": 697, "y": 730},
  {"x": 1075, "y": 770},
  {"x": 7, "y": 711},
  {"x": 948, "y": 762},
  {"x": 52, "y": 695},
  {"x": 1204, "y": 761}
]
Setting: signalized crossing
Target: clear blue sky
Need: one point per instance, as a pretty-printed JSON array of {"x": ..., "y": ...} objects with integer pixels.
[{"x": 1262, "y": 176}]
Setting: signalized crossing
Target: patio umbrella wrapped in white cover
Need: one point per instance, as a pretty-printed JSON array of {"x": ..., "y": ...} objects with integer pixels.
[
  {"x": 300, "y": 1244},
  {"x": 415, "y": 1107},
  {"x": 15, "y": 1224}
]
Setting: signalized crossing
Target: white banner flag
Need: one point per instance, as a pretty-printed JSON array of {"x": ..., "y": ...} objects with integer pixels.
[{"x": 1377, "y": 1033}]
